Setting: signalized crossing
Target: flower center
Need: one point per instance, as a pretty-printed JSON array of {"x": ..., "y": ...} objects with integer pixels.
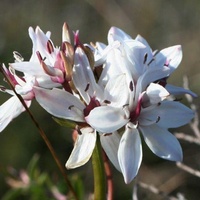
[
  {"x": 134, "y": 114},
  {"x": 93, "y": 104}
]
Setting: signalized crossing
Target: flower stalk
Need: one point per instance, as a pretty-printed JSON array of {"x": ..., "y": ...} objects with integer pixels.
[
  {"x": 99, "y": 172},
  {"x": 109, "y": 179}
]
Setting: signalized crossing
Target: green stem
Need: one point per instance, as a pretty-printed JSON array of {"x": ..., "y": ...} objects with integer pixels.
[{"x": 99, "y": 172}]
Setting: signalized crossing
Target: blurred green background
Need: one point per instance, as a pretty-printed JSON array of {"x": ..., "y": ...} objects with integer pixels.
[{"x": 162, "y": 23}]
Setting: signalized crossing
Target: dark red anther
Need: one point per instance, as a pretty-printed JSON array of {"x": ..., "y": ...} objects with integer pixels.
[
  {"x": 50, "y": 48},
  {"x": 131, "y": 86},
  {"x": 107, "y": 101},
  {"x": 145, "y": 58},
  {"x": 39, "y": 56},
  {"x": 87, "y": 87}
]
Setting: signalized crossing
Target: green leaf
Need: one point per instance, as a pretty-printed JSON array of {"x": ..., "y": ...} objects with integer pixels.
[{"x": 65, "y": 122}]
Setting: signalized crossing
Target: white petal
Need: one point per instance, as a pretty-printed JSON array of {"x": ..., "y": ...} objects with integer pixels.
[
  {"x": 143, "y": 41},
  {"x": 10, "y": 110},
  {"x": 112, "y": 68},
  {"x": 156, "y": 93},
  {"x": 31, "y": 68},
  {"x": 130, "y": 154},
  {"x": 117, "y": 34},
  {"x": 174, "y": 90},
  {"x": 168, "y": 114},
  {"x": 46, "y": 82},
  {"x": 117, "y": 91},
  {"x": 83, "y": 148},
  {"x": 162, "y": 142},
  {"x": 150, "y": 75},
  {"x": 173, "y": 55},
  {"x": 83, "y": 77},
  {"x": 138, "y": 55},
  {"x": 99, "y": 55},
  {"x": 40, "y": 41},
  {"x": 106, "y": 119},
  {"x": 174, "y": 114},
  {"x": 60, "y": 103},
  {"x": 110, "y": 144}
]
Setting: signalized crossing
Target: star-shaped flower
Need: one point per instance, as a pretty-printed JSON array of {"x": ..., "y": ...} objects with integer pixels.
[{"x": 148, "y": 110}]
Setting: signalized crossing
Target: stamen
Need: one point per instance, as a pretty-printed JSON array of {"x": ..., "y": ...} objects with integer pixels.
[
  {"x": 87, "y": 87},
  {"x": 151, "y": 61},
  {"x": 50, "y": 48},
  {"x": 78, "y": 129},
  {"x": 107, "y": 101},
  {"x": 18, "y": 57},
  {"x": 136, "y": 124},
  {"x": 76, "y": 110},
  {"x": 145, "y": 58},
  {"x": 126, "y": 111},
  {"x": 131, "y": 86},
  {"x": 70, "y": 107},
  {"x": 158, "y": 119},
  {"x": 155, "y": 53},
  {"x": 107, "y": 134},
  {"x": 39, "y": 56},
  {"x": 2, "y": 88},
  {"x": 125, "y": 105},
  {"x": 130, "y": 125}
]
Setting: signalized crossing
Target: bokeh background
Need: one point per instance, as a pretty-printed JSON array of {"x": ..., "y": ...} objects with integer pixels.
[{"x": 162, "y": 22}]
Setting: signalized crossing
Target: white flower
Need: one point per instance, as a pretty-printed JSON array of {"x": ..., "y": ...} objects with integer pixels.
[
  {"x": 129, "y": 98},
  {"x": 47, "y": 61},
  {"x": 134, "y": 56},
  {"x": 148, "y": 110},
  {"x": 65, "y": 105},
  {"x": 24, "y": 87},
  {"x": 152, "y": 117},
  {"x": 13, "y": 107}
]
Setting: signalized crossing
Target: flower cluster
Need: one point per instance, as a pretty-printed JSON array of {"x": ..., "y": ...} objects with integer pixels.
[{"x": 115, "y": 92}]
